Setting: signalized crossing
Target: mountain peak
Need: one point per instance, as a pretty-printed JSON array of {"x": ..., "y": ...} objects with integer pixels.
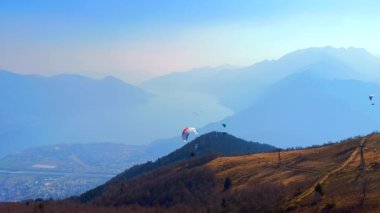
[
  {"x": 222, "y": 143},
  {"x": 328, "y": 52},
  {"x": 111, "y": 78}
]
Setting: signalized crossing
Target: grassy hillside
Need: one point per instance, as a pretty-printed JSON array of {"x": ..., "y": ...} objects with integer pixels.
[
  {"x": 318, "y": 179},
  {"x": 260, "y": 182},
  {"x": 212, "y": 144}
]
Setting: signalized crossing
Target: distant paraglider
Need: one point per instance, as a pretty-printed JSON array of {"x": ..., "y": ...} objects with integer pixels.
[
  {"x": 186, "y": 132},
  {"x": 371, "y": 99},
  {"x": 224, "y": 125}
]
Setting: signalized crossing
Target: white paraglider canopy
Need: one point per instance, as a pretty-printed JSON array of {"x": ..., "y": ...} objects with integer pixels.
[{"x": 186, "y": 132}]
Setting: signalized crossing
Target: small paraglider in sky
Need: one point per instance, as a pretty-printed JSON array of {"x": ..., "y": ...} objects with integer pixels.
[
  {"x": 186, "y": 132},
  {"x": 224, "y": 126},
  {"x": 371, "y": 99}
]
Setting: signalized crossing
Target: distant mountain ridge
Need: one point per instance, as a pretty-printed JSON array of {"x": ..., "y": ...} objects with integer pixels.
[
  {"x": 306, "y": 97},
  {"x": 239, "y": 88},
  {"x": 304, "y": 110},
  {"x": 38, "y": 110},
  {"x": 74, "y": 109}
]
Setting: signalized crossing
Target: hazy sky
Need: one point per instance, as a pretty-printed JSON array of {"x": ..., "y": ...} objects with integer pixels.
[{"x": 132, "y": 38}]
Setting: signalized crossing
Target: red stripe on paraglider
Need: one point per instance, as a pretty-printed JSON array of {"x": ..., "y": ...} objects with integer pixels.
[
  {"x": 185, "y": 133},
  {"x": 185, "y": 130}
]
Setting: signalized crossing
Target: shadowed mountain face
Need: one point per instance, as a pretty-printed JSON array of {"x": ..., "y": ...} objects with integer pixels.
[
  {"x": 35, "y": 110},
  {"x": 207, "y": 146}
]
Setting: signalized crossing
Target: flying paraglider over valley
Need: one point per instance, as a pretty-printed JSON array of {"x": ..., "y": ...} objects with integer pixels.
[{"x": 186, "y": 132}]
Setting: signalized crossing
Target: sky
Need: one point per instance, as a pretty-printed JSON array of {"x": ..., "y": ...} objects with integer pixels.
[{"x": 137, "y": 39}]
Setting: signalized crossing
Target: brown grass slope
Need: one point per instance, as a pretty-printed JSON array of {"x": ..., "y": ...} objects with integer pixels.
[
  {"x": 255, "y": 183},
  {"x": 213, "y": 143},
  {"x": 351, "y": 189}
]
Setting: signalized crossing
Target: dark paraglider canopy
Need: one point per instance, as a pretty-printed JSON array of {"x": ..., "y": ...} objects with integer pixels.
[
  {"x": 224, "y": 126},
  {"x": 371, "y": 99}
]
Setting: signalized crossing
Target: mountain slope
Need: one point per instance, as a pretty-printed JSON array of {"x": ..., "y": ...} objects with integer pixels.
[
  {"x": 211, "y": 144},
  {"x": 201, "y": 183},
  {"x": 259, "y": 182}
]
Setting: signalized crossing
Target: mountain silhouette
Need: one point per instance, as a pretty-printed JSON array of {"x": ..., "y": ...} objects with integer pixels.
[{"x": 38, "y": 110}]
